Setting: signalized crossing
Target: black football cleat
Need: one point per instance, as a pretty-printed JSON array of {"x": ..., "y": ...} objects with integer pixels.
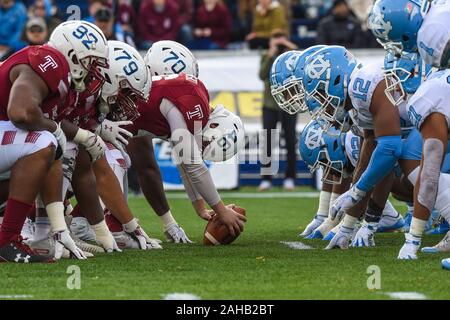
[{"x": 18, "y": 252}]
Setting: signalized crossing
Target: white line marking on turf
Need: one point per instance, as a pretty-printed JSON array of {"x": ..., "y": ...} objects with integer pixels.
[
  {"x": 407, "y": 295},
  {"x": 16, "y": 296},
  {"x": 297, "y": 245},
  {"x": 247, "y": 195},
  {"x": 180, "y": 296}
]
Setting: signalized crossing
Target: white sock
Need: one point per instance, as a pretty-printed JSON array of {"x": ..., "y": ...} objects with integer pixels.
[
  {"x": 42, "y": 228},
  {"x": 349, "y": 222},
  {"x": 417, "y": 227},
  {"x": 55, "y": 212},
  {"x": 167, "y": 219},
  {"x": 324, "y": 203}
]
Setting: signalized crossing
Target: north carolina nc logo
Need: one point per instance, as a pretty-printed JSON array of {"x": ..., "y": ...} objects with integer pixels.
[
  {"x": 378, "y": 25},
  {"x": 317, "y": 67},
  {"x": 314, "y": 138}
]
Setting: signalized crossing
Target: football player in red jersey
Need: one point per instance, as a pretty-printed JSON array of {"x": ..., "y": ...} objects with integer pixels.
[
  {"x": 30, "y": 132},
  {"x": 179, "y": 110},
  {"x": 127, "y": 81}
]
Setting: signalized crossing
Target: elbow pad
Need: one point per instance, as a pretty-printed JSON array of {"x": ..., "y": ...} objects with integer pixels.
[{"x": 382, "y": 161}]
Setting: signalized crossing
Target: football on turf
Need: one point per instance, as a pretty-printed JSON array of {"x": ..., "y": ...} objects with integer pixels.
[{"x": 216, "y": 233}]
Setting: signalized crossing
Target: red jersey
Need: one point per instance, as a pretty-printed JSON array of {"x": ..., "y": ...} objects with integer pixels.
[
  {"x": 187, "y": 93},
  {"x": 54, "y": 70},
  {"x": 84, "y": 112}
]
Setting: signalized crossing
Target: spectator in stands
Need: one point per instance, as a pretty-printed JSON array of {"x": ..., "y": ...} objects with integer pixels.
[
  {"x": 361, "y": 9},
  {"x": 340, "y": 27},
  {"x": 94, "y": 6},
  {"x": 104, "y": 19},
  {"x": 186, "y": 12},
  {"x": 272, "y": 114},
  {"x": 245, "y": 14},
  {"x": 212, "y": 26},
  {"x": 36, "y": 32},
  {"x": 268, "y": 16},
  {"x": 45, "y": 10},
  {"x": 158, "y": 20},
  {"x": 126, "y": 16},
  {"x": 13, "y": 17}
]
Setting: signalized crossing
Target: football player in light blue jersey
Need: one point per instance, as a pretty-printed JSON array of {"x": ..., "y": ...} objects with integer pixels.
[
  {"x": 335, "y": 84},
  {"x": 414, "y": 26},
  {"x": 337, "y": 154}
]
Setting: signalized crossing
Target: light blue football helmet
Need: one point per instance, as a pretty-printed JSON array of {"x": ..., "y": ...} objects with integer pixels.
[
  {"x": 326, "y": 78},
  {"x": 286, "y": 79},
  {"x": 403, "y": 75},
  {"x": 319, "y": 148},
  {"x": 283, "y": 85},
  {"x": 398, "y": 21}
]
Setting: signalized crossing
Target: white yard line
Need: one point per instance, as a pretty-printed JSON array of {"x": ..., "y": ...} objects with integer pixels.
[
  {"x": 406, "y": 295},
  {"x": 180, "y": 296},
  {"x": 297, "y": 245}
]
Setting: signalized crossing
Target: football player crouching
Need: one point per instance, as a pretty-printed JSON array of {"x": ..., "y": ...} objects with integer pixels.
[
  {"x": 178, "y": 110},
  {"x": 426, "y": 33},
  {"x": 337, "y": 154},
  {"x": 46, "y": 74},
  {"x": 127, "y": 81}
]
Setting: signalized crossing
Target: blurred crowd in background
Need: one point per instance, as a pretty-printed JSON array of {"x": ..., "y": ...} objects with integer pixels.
[{"x": 199, "y": 24}]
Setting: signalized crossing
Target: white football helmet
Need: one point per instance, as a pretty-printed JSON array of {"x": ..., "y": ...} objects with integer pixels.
[
  {"x": 126, "y": 81},
  {"x": 169, "y": 57},
  {"x": 223, "y": 135},
  {"x": 85, "y": 48}
]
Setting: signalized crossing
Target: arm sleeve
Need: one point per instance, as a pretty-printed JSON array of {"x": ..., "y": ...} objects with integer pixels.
[
  {"x": 187, "y": 154},
  {"x": 382, "y": 162}
]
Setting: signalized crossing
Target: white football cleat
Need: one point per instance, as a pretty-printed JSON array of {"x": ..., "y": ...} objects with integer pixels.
[
  {"x": 410, "y": 248},
  {"x": 174, "y": 233},
  {"x": 442, "y": 246},
  {"x": 126, "y": 241},
  {"x": 81, "y": 228},
  {"x": 27, "y": 232},
  {"x": 364, "y": 237},
  {"x": 341, "y": 239},
  {"x": 313, "y": 225}
]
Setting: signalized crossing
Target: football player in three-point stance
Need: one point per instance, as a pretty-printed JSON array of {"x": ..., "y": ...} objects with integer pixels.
[{"x": 414, "y": 26}]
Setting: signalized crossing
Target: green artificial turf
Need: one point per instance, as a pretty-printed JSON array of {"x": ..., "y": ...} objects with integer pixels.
[{"x": 256, "y": 266}]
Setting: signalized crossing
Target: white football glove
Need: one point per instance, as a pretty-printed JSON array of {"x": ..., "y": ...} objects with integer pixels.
[
  {"x": 174, "y": 233},
  {"x": 365, "y": 235},
  {"x": 313, "y": 225},
  {"x": 341, "y": 239},
  {"x": 112, "y": 132},
  {"x": 60, "y": 138},
  {"x": 137, "y": 233},
  {"x": 345, "y": 202},
  {"x": 410, "y": 248},
  {"x": 93, "y": 144},
  {"x": 63, "y": 240}
]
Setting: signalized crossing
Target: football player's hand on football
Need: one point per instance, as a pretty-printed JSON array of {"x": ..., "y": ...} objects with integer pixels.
[
  {"x": 206, "y": 214},
  {"x": 233, "y": 220}
]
